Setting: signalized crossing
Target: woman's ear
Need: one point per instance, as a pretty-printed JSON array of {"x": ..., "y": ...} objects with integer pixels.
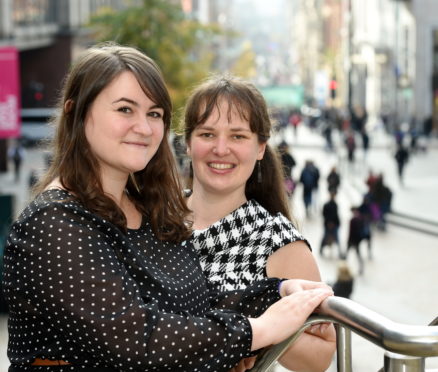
[
  {"x": 68, "y": 105},
  {"x": 261, "y": 153}
]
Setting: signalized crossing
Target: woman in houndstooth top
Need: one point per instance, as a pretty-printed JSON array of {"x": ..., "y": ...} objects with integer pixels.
[{"x": 241, "y": 219}]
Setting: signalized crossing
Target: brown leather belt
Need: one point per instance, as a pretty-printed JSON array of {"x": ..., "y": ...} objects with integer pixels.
[{"x": 49, "y": 362}]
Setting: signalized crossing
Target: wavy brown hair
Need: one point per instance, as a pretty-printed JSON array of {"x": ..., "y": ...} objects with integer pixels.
[
  {"x": 155, "y": 190},
  {"x": 247, "y": 100}
]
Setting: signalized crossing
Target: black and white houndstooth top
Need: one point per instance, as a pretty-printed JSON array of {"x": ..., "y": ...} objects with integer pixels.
[{"x": 234, "y": 250}]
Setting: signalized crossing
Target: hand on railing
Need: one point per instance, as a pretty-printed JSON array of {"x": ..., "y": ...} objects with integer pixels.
[{"x": 412, "y": 340}]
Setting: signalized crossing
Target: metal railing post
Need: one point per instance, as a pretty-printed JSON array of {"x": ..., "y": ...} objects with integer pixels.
[
  {"x": 343, "y": 345},
  {"x": 394, "y": 362}
]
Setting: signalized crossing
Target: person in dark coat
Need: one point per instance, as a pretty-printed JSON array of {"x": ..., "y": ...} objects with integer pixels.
[
  {"x": 401, "y": 157},
  {"x": 333, "y": 180},
  {"x": 355, "y": 235},
  {"x": 366, "y": 214},
  {"x": 331, "y": 225},
  {"x": 381, "y": 197},
  {"x": 309, "y": 178},
  {"x": 350, "y": 143},
  {"x": 288, "y": 162}
]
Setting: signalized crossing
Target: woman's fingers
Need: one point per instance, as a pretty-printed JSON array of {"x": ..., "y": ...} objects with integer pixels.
[
  {"x": 249, "y": 362},
  {"x": 287, "y": 315},
  {"x": 244, "y": 365},
  {"x": 296, "y": 285}
]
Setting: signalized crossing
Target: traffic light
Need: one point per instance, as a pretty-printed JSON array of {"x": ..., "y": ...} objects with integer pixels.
[
  {"x": 37, "y": 90},
  {"x": 333, "y": 86}
]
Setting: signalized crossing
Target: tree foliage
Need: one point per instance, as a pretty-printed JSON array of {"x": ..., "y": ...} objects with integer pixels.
[
  {"x": 180, "y": 46},
  {"x": 245, "y": 65}
]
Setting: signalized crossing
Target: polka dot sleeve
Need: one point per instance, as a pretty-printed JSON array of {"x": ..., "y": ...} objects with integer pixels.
[
  {"x": 251, "y": 301},
  {"x": 78, "y": 291}
]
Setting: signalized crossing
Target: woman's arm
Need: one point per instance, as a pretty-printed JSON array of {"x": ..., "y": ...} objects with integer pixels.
[
  {"x": 67, "y": 268},
  {"x": 295, "y": 260}
]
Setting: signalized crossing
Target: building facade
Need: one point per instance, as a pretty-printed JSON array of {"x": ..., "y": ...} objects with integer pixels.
[
  {"x": 384, "y": 54},
  {"x": 46, "y": 33}
]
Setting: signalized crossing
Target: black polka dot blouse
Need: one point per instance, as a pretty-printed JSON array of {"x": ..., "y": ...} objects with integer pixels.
[{"x": 81, "y": 291}]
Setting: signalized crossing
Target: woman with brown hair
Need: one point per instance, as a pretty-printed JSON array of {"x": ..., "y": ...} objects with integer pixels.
[
  {"x": 243, "y": 229},
  {"x": 95, "y": 272}
]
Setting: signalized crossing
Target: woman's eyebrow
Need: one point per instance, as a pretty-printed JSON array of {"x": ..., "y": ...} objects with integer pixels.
[
  {"x": 132, "y": 102},
  {"x": 240, "y": 129},
  {"x": 128, "y": 100}
]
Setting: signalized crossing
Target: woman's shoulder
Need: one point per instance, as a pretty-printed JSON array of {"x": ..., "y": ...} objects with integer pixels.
[
  {"x": 282, "y": 230},
  {"x": 51, "y": 201}
]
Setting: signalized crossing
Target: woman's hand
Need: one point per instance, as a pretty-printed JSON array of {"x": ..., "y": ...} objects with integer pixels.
[
  {"x": 320, "y": 337},
  {"x": 244, "y": 365},
  {"x": 290, "y": 286},
  {"x": 287, "y": 315},
  {"x": 323, "y": 330}
]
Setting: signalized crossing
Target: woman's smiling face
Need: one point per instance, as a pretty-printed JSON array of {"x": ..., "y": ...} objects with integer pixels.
[
  {"x": 224, "y": 151},
  {"x": 124, "y": 127}
]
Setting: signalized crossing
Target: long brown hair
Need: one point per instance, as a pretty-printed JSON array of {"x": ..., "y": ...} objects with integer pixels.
[
  {"x": 251, "y": 106},
  {"x": 155, "y": 190}
]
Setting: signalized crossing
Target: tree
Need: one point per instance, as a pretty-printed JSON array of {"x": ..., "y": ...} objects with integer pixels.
[
  {"x": 245, "y": 65},
  {"x": 160, "y": 29}
]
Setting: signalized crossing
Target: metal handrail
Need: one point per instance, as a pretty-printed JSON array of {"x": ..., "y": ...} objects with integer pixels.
[{"x": 410, "y": 340}]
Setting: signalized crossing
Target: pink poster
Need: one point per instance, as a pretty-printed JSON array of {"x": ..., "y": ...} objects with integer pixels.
[{"x": 10, "y": 122}]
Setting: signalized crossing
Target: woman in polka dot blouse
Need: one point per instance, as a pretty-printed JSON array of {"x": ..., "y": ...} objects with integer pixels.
[
  {"x": 241, "y": 216},
  {"x": 95, "y": 274}
]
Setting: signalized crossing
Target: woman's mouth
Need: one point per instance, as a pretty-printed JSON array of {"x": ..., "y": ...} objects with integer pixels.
[
  {"x": 141, "y": 144},
  {"x": 221, "y": 166}
]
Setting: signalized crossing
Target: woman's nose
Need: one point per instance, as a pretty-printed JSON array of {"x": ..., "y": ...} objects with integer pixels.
[
  {"x": 143, "y": 127},
  {"x": 221, "y": 147}
]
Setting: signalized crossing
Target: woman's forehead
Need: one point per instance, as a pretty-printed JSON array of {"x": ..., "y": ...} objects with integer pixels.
[{"x": 228, "y": 106}]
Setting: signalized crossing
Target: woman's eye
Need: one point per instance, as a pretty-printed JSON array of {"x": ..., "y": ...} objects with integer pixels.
[
  {"x": 206, "y": 135},
  {"x": 155, "y": 114},
  {"x": 125, "y": 109},
  {"x": 238, "y": 136}
]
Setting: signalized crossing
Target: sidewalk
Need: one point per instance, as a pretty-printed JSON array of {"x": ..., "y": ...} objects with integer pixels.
[{"x": 400, "y": 281}]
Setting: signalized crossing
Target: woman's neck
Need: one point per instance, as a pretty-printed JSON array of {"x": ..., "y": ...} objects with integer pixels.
[
  {"x": 209, "y": 208},
  {"x": 115, "y": 188},
  {"x": 114, "y": 185}
]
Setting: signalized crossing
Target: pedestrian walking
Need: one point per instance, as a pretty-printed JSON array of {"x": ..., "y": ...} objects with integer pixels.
[
  {"x": 365, "y": 141},
  {"x": 366, "y": 215},
  {"x": 355, "y": 235},
  {"x": 381, "y": 200},
  {"x": 179, "y": 150},
  {"x": 288, "y": 162},
  {"x": 358, "y": 118},
  {"x": 295, "y": 121},
  {"x": 331, "y": 225},
  {"x": 350, "y": 143},
  {"x": 333, "y": 180},
  {"x": 401, "y": 157},
  {"x": 309, "y": 178},
  {"x": 16, "y": 155}
]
